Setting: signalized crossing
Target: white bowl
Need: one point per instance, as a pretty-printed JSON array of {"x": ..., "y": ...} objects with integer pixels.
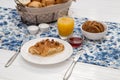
[
  {"x": 95, "y": 36},
  {"x": 33, "y": 29},
  {"x": 44, "y": 27}
]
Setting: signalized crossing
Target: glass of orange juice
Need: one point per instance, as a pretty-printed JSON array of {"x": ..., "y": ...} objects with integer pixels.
[{"x": 65, "y": 26}]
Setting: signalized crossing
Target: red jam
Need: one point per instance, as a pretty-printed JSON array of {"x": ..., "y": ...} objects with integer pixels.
[{"x": 75, "y": 41}]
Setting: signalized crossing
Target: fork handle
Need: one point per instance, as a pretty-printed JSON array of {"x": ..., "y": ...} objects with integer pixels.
[
  {"x": 69, "y": 71},
  {"x": 10, "y": 61}
]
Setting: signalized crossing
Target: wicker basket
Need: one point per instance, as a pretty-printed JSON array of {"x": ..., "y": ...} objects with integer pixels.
[{"x": 43, "y": 15}]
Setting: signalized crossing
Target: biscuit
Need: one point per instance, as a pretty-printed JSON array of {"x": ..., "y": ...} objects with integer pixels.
[
  {"x": 93, "y": 26},
  {"x": 100, "y": 26},
  {"x": 85, "y": 25}
]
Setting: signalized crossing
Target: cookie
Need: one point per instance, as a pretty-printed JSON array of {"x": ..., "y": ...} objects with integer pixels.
[{"x": 93, "y": 26}]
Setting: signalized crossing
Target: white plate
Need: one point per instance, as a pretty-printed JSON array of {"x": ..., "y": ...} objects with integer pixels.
[{"x": 46, "y": 60}]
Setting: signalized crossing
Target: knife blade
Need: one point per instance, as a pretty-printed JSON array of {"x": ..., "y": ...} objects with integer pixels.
[{"x": 70, "y": 69}]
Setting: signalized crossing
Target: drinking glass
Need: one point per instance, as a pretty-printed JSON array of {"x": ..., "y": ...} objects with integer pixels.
[{"x": 65, "y": 26}]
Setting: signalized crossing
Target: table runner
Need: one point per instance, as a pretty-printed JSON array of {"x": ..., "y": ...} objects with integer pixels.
[{"x": 105, "y": 52}]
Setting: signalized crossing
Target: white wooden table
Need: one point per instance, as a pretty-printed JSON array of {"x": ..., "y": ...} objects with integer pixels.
[{"x": 103, "y": 10}]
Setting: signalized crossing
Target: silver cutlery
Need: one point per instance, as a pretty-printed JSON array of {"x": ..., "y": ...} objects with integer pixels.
[
  {"x": 10, "y": 61},
  {"x": 70, "y": 69}
]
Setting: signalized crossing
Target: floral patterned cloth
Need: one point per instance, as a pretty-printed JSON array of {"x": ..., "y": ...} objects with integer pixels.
[{"x": 105, "y": 52}]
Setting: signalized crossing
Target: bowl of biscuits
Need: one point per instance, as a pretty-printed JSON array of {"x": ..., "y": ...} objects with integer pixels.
[{"x": 94, "y": 30}]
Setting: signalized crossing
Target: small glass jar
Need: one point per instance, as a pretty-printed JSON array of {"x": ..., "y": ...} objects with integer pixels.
[{"x": 75, "y": 40}]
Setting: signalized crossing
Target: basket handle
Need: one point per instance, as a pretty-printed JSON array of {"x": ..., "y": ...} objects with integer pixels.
[
  {"x": 20, "y": 6},
  {"x": 19, "y": 3}
]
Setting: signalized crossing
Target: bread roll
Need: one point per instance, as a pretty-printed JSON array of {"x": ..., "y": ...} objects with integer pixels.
[
  {"x": 58, "y": 1},
  {"x": 35, "y": 4},
  {"x": 65, "y": 1},
  {"x": 37, "y": 0},
  {"x": 25, "y": 2},
  {"x": 48, "y": 2}
]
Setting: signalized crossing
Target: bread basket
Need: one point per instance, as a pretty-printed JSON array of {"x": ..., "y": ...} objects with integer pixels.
[{"x": 44, "y": 14}]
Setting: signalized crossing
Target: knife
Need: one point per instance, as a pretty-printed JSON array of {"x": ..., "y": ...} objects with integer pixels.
[
  {"x": 11, "y": 60},
  {"x": 70, "y": 69}
]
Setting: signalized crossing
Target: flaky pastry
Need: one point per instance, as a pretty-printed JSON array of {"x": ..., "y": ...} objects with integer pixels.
[{"x": 46, "y": 47}]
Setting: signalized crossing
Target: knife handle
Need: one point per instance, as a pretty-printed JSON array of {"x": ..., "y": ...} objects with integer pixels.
[
  {"x": 10, "y": 61},
  {"x": 69, "y": 71}
]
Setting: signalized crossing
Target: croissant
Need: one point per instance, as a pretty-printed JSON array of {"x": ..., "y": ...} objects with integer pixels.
[{"x": 46, "y": 47}]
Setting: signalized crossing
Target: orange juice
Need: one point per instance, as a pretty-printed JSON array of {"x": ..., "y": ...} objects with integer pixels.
[{"x": 65, "y": 26}]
